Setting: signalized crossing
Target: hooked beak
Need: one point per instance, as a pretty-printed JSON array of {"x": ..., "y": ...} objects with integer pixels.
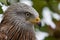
[
  {"x": 36, "y": 21},
  {"x": 39, "y": 23}
]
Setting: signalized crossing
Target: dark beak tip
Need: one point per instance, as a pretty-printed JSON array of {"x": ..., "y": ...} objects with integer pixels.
[{"x": 39, "y": 24}]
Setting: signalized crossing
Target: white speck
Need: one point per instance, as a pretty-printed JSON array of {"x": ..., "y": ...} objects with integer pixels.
[
  {"x": 0, "y": 3},
  {"x": 4, "y": 7},
  {"x": 28, "y": 2},
  {"x": 42, "y": 22},
  {"x": 47, "y": 17},
  {"x": 41, "y": 35},
  {"x": 1, "y": 17},
  {"x": 56, "y": 16},
  {"x": 59, "y": 6}
]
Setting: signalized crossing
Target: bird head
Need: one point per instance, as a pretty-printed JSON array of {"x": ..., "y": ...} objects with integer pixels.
[
  {"x": 18, "y": 22},
  {"x": 23, "y": 13}
]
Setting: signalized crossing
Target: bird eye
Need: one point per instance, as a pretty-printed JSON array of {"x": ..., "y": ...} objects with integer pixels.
[{"x": 28, "y": 14}]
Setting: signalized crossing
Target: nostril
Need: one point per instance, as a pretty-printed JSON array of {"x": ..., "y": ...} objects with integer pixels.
[{"x": 37, "y": 19}]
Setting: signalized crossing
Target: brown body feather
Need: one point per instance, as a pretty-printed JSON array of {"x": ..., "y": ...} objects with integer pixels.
[{"x": 14, "y": 32}]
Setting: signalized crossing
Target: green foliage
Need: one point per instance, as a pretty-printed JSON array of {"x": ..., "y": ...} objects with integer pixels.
[
  {"x": 4, "y": 1},
  {"x": 50, "y": 38},
  {"x": 1, "y": 10},
  {"x": 44, "y": 29}
]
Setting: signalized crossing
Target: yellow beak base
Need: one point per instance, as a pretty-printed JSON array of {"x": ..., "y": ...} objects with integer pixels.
[{"x": 36, "y": 21}]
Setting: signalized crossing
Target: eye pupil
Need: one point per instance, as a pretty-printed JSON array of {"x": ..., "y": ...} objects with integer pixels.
[{"x": 27, "y": 14}]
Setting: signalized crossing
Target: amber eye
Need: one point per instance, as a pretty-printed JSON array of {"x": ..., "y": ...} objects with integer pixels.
[{"x": 28, "y": 14}]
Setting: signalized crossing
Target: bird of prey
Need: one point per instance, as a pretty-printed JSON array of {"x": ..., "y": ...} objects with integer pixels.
[{"x": 18, "y": 22}]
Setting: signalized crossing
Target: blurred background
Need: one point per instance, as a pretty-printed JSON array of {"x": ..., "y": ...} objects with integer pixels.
[{"x": 49, "y": 11}]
